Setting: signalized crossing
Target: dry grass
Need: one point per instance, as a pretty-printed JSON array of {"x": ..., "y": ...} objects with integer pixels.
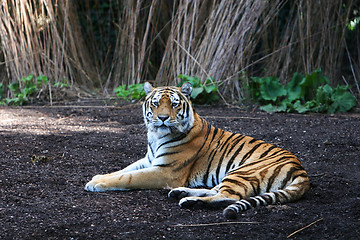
[
  {"x": 156, "y": 40},
  {"x": 40, "y": 37}
]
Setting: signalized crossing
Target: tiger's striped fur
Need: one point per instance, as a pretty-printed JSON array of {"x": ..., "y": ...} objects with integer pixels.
[{"x": 185, "y": 151}]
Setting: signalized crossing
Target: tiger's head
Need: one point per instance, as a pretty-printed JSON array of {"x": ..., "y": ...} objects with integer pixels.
[{"x": 168, "y": 109}]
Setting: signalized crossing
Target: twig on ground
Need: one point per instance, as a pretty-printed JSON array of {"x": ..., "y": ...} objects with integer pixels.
[{"x": 304, "y": 227}]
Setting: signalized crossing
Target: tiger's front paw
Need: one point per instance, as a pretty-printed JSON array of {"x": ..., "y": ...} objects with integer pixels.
[
  {"x": 96, "y": 186},
  {"x": 97, "y": 177}
]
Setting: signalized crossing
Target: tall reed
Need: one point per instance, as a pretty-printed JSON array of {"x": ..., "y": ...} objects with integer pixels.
[
  {"x": 42, "y": 37},
  {"x": 102, "y": 44}
]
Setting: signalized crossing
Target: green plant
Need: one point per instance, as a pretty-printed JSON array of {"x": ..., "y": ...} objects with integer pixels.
[
  {"x": 21, "y": 95},
  {"x": 304, "y": 93},
  {"x": 61, "y": 85},
  {"x": 201, "y": 93},
  {"x": 131, "y": 92},
  {"x": 23, "y": 90}
]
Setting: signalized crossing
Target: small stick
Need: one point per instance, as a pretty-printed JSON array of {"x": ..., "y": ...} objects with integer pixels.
[
  {"x": 212, "y": 224},
  {"x": 304, "y": 227}
]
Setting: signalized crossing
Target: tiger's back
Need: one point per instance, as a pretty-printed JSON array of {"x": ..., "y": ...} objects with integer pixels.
[{"x": 186, "y": 151}]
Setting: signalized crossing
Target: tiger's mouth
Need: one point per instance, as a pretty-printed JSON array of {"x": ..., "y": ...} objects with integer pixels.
[{"x": 163, "y": 126}]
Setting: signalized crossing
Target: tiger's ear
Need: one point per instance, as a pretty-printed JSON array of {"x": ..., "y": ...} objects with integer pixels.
[
  {"x": 186, "y": 89},
  {"x": 148, "y": 88}
]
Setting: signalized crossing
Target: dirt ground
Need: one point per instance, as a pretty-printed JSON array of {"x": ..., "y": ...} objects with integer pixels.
[{"x": 47, "y": 154}]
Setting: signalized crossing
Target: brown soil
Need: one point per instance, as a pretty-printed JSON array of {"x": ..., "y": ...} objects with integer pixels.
[{"x": 47, "y": 154}]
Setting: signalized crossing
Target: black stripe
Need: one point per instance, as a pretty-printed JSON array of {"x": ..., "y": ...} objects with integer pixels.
[
  {"x": 252, "y": 201},
  {"x": 232, "y": 192},
  {"x": 289, "y": 175},
  {"x": 152, "y": 150},
  {"x": 182, "y": 98},
  {"x": 304, "y": 175},
  {"x": 268, "y": 199},
  {"x": 248, "y": 154},
  {"x": 252, "y": 140},
  {"x": 211, "y": 158},
  {"x": 165, "y": 154},
  {"x": 164, "y": 165},
  {"x": 267, "y": 151},
  {"x": 215, "y": 132},
  {"x": 235, "y": 142},
  {"x": 194, "y": 157},
  {"x": 254, "y": 182},
  {"x": 220, "y": 164},
  {"x": 176, "y": 139},
  {"x": 187, "y": 109},
  {"x": 270, "y": 164},
  {"x": 226, "y": 142},
  {"x": 284, "y": 196},
  {"x": 274, "y": 175},
  {"x": 247, "y": 204},
  {"x": 151, "y": 95},
  {"x": 230, "y": 162},
  {"x": 282, "y": 151},
  {"x": 233, "y": 181},
  {"x": 213, "y": 181}
]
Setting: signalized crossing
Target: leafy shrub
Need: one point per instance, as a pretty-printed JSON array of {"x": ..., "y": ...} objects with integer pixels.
[
  {"x": 304, "y": 93},
  {"x": 131, "y": 92},
  {"x": 23, "y": 93},
  {"x": 201, "y": 93}
]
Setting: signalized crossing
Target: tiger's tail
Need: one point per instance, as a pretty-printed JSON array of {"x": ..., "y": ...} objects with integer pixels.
[{"x": 291, "y": 193}]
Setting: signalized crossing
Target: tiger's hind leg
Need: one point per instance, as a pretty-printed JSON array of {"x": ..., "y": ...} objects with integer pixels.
[
  {"x": 200, "y": 196},
  {"x": 217, "y": 201},
  {"x": 227, "y": 192}
]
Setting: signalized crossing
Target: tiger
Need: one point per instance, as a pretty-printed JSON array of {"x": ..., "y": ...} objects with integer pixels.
[{"x": 202, "y": 164}]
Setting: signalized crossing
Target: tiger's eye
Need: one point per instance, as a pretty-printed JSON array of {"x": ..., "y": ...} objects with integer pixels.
[{"x": 155, "y": 104}]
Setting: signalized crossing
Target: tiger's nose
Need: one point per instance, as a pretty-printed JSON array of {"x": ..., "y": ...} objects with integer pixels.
[{"x": 163, "y": 117}]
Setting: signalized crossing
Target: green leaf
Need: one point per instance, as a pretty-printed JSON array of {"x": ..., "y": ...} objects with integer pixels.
[
  {"x": 42, "y": 80},
  {"x": 196, "y": 92},
  {"x": 270, "y": 108},
  {"x": 311, "y": 82},
  {"x": 121, "y": 91},
  {"x": 298, "y": 107},
  {"x": 29, "y": 90},
  {"x": 133, "y": 91},
  {"x": 271, "y": 89},
  {"x": 209, "y": 86},
  {"x": 342, "y": 100},
  {"x": 14, "y": 87},
  {"x": 323, "y": 95},
  {"x": 293, "y": 88},
  {"x": 137, "y": 91},
  {"x": 60, "y": 85},
  {"x": 195, "y": 81}
]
